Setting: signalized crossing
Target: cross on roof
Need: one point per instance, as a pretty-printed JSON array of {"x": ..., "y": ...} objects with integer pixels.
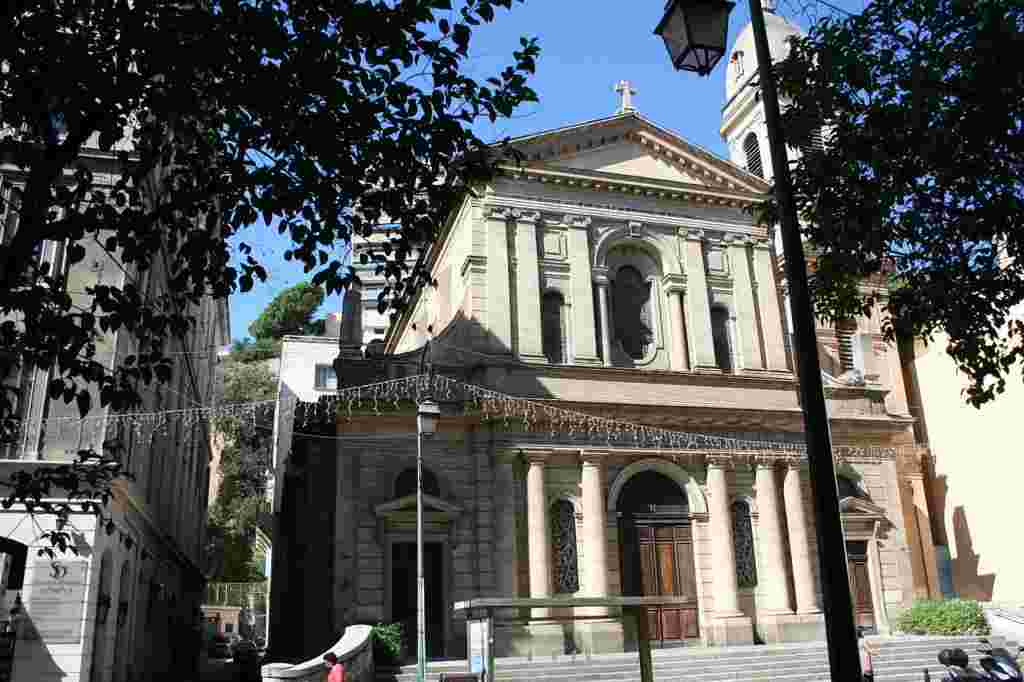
[{"x": 626, "y": 92}]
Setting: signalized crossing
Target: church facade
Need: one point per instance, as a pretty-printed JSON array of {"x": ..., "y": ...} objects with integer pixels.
[{"x": 620, "y": 317}]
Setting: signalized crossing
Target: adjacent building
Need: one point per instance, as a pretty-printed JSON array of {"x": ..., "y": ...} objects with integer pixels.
[{"x": 126, "y": 605}]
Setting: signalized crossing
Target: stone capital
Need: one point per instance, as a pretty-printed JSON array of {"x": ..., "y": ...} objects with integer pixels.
[
  {"x": 674, "y": 283},
  {"x": 593, "y": 457},
  {"x": 766, "y": 460},
  {"x": 535, "y": 457},
  {"x": 577, "y": 220},
  {"x": 720, "y": 460},
  {"x": 526, "y": 217},
  {"x": 499, "y": 213},
  {"x": 693, "y": 234}
]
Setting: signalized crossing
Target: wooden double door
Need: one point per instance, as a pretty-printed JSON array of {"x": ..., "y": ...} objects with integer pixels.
[{"x": 658, "y": 560}]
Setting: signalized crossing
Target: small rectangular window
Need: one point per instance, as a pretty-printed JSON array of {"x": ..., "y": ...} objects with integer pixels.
[{"x": 326, "y": 380}]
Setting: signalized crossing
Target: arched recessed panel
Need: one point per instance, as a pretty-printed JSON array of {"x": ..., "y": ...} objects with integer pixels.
[
  {"x": 633, "y": 320},
  {"x": 649, "y": 490},
  {"x": 405, "y": 483}
]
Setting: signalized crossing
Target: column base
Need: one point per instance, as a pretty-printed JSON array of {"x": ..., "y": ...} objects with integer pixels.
[
  {"x": 791, "y": 627},
  {"x": 731, "y": 630}
]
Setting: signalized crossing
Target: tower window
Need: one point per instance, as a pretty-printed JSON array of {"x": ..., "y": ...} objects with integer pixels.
[{"x": 752, "y": 148}]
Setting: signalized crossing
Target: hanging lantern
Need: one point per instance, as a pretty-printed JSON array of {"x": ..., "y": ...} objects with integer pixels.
[{"x": 694, "y": 32}]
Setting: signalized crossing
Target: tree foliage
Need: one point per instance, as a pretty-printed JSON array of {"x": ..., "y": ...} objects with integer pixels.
[
  {"x": 921, "y": 106},
  {"x": 248, "y": 350},
  {"x": 245, "y": 464},
  {"x": 290, "y": 312},
  {"x": 317, "y": 117}
]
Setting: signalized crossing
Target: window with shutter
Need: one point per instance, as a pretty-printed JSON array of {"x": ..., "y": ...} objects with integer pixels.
[{"x": 752, "y": 148}]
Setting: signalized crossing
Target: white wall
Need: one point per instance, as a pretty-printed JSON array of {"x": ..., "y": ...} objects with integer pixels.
[{"x": 980, "y": 462}]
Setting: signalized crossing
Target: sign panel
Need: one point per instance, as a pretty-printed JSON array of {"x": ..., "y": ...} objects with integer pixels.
[
  {"x": 479, "y": 645},
  {"x": 56, "y": 599}
]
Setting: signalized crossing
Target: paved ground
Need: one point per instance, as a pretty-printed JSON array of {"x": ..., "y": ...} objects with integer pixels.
[{"x": 224, "y": 670}]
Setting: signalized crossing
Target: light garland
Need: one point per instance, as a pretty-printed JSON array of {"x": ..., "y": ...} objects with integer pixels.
[
  {"x": 533, "y": 414},
  {"x": 529, "y": 414}
]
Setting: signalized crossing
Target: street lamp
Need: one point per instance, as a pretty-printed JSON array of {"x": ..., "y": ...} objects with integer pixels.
[
  {"x": 694, "y": 32},
  {"x": 706, "y": 18},
  {"x": 427, "y": 415}
]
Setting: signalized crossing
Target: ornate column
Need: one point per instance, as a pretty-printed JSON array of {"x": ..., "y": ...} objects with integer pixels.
[
  {"x": 729, "y": 625},
  {"x": 601, "y": 282},
  {"x": 772, "y": 576},
  {"x": 772, "y": 323},
  {"x": 498, "y": 308},
  {"x": 585, "y": 345},
  {"x": 799, "y": 541},
  {"x": 675, "y": 293},
  {"x": 595, "y": 542},
  {"x": 530, "y": 347},
  {"x": 748, "y": 344},
  {"x": 723, "y": 551},
  {"x": 698, "y": 330},
  {"x": 538, "y": 534}
]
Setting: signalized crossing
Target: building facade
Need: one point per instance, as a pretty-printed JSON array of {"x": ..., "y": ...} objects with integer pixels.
[
  {"x": 126, "y": 605},
  {"x": 621, "y": 417}
]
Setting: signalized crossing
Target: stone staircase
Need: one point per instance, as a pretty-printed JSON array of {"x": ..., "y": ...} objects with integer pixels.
[{"x": 900, "y": 659}]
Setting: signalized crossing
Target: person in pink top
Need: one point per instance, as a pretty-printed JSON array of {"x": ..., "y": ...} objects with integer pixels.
[
  {"x": 336, "y": 670},
  {"x": 867, "y": 666}
]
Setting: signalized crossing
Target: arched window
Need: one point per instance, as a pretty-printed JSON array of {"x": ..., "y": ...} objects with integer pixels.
[
  {"x": 752, "y": 148},
  {"x": 631, "y": 302},
  {"x": 405, "y": 483},
  {"x": 552, "y": 318},
  {"x": 743, "y": 539},
  {"x": 720, "y": 337},
  {"x": 563, "y": 536}
]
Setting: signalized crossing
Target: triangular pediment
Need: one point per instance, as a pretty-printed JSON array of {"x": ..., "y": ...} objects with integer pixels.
[
  {"x": 859, "y": 507},
  {"x": 629, "y": 146},
  {"x": 408, "y": 503}
]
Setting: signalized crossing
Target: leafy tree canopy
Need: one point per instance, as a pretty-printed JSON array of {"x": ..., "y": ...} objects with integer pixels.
[
  {"x": 248, "y": 350},
  {"x": 290, "y": 312},
  {"x": 244, "y": 471},
  {"x": 318, "y": 117},
  {"x": 921, "y": 105}
]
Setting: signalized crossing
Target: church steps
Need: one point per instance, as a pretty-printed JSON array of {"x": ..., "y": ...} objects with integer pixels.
[{"x": 899, "y": 660}]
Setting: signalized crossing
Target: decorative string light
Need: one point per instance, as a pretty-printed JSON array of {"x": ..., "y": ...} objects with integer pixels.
[{"x": 528, "y": 414}]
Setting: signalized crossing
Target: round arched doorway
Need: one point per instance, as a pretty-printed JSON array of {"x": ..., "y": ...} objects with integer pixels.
[{"x": 656, "y": 553}]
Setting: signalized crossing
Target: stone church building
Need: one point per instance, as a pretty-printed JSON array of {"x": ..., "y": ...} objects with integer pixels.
[{"x": 625, "y": 419}]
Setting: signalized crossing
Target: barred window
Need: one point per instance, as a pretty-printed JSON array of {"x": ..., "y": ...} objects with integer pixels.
[
  {"x": 752, "y": 148},
  {"x": 563, "y": 531},
  {"x": 743, "y": 538}
]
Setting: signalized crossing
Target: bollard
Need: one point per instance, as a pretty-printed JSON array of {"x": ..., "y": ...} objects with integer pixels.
[{"x": 927, "y": 675}]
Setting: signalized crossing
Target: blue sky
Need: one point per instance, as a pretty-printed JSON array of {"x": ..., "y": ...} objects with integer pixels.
[{"x": 586, "y": 47}]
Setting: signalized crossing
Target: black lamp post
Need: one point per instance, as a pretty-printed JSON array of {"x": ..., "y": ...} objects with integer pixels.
[
  {"x": 428, "y": 413},
  {"x": 685, "y": 23}
]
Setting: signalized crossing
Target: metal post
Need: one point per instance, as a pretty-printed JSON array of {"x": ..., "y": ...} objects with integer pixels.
[
  {"x": 840, "y": 630},
  {"x": 421, "y": 610}
]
